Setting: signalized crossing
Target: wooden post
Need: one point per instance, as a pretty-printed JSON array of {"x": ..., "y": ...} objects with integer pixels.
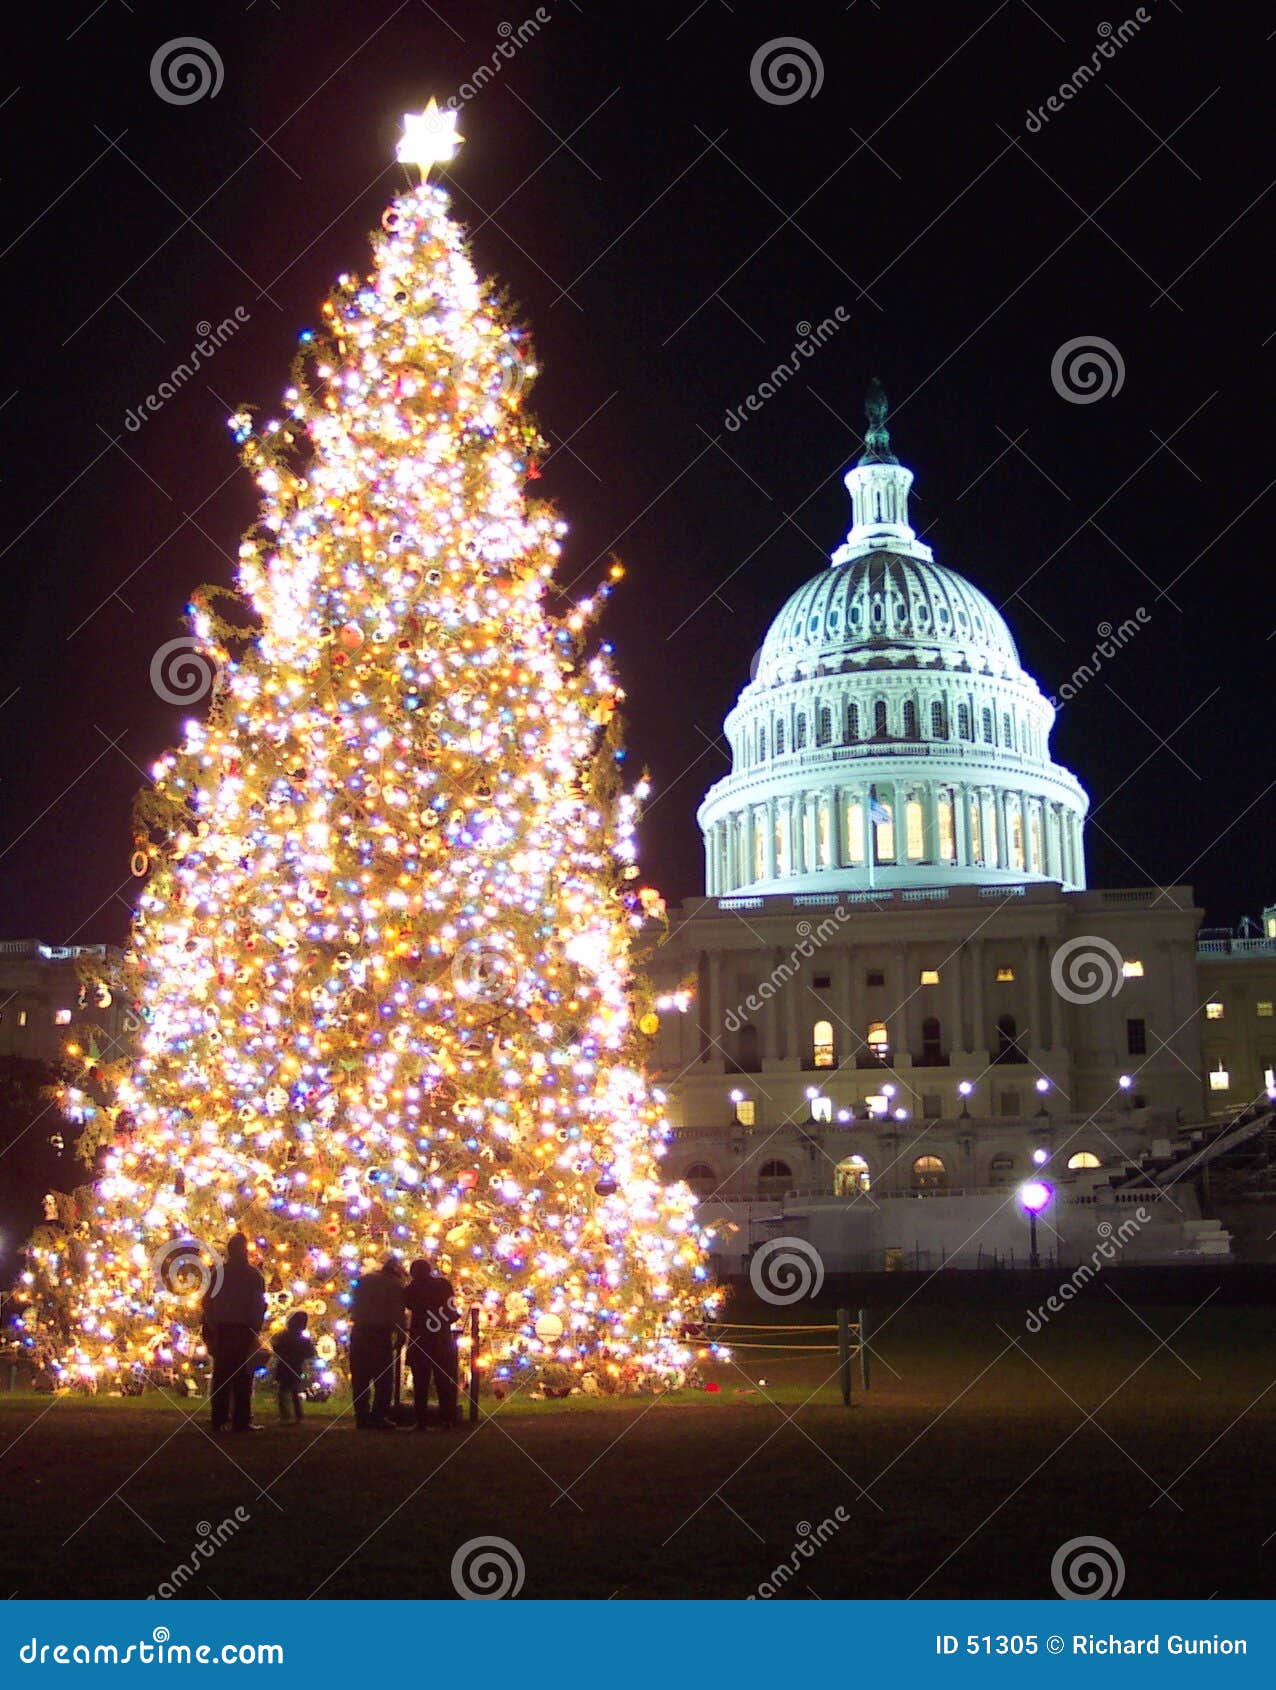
[
  {"x": 474, "y": 1372},
  {"x": 844, "y": 1354},
  {"x": 863, "y": 1352}
]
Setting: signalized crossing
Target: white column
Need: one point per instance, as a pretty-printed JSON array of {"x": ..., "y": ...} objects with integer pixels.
[
  {"x": 999, "y": 820},
  {"x": 750, "y": 847},
  {"x": 768, "y": 840}
]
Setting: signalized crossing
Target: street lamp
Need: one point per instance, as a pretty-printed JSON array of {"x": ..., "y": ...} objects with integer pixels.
[
  {"x": 1125, "y": 1082},
  {"x": 1043, "y": 1086},
  {"x": 1040, "y": 1156},
  {"x": 965, "y": 1088},
  {"x": 1034, "y": 1195}
]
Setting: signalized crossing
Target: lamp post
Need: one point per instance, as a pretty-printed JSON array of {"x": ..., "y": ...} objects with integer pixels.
[
  {"x": 1040, "y": 1156},
  {"x": 1125, "y": 1082},
  {"x": 1034, "y": 1195},
  {"x": 1043, "y": 1086},
  {"x": 965, "y": 1088}
]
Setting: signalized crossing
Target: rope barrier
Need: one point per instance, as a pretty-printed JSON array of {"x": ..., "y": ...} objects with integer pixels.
[
  {"x": 742, "y": 1326},
  {"x": 793, "y": 1349}
]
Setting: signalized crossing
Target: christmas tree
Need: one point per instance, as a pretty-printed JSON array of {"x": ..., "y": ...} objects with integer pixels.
[{"x": 382, "y": 955}]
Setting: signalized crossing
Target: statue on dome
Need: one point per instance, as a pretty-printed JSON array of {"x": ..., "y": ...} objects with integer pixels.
[{"x": 877, "y": 440}]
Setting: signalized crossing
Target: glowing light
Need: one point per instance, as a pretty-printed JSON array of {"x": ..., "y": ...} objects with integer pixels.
[
  {"x": 1034, "y": 1195},
  {"x": 428, "y": 138}
]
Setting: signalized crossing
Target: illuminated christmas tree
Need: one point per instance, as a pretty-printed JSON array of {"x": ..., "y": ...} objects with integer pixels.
[{"x": 382, "y": 954}]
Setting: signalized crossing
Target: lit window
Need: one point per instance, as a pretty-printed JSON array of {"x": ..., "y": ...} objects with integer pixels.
[
  {"x": 929, "y": 1173},
  {"x": 746, "y": 1112},
  {"x": 1005, "y": 974},
  {"x": 930, "y": 977},
  {"x": 876, "y": 1103},
  {"x": 1214, "y": 1011},
  {"x": 851, "y": 1177},
  {"x": 1220, "y": 1079},
  {"x": 1132, "y": 968},
  {"x": 822, "y": 1052},
  {"x": 914, "y": 830},
  {"x": 877, "y": 1041},
  {"x": 821, "y": 1108},
  {"x": 22, "y": 1018},
  {"x": 1083, "y": 1159},
  {"x": 61, "y": 1017},
  {"x": 1264, "y": 1008}
]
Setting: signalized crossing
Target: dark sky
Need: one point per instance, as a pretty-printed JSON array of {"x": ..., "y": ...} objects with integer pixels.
[{"x": 664, "y": 230}]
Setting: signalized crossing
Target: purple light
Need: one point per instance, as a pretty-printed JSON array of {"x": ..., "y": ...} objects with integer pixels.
[{"x": 1035, "y": 1194}]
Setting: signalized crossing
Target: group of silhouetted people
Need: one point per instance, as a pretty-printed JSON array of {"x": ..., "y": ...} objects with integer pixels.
[{"x": 391, "y": 1310}]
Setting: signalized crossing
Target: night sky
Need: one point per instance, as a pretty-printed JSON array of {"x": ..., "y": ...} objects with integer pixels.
[{"x": 664, "y": 230}]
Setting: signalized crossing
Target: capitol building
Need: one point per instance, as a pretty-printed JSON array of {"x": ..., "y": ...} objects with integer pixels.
[{"x": 907, "y": 998}]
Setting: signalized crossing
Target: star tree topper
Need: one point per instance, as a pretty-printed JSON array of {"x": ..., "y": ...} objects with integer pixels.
[{"x": 428, "y": 138}]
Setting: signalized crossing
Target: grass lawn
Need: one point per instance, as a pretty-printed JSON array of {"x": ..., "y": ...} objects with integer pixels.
[{"x": 968, "y": 1463}]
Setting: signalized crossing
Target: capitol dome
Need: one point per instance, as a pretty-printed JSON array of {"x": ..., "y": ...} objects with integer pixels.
[{"x": 889, "y": 736}]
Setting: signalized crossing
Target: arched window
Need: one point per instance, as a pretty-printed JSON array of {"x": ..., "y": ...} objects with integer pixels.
[
  {"x": 799, "y": 733},
  {"x": 774, "y": 1178},
  {"x": 701, "y": 1178},
  {"x": 986, "y": 719},
  {"x": 851, "y": 1177},
  {"x": 824, "y": 726},
  {"x": 852, "y": 722},
  {"x": 1007, "y": 1041},
  {"x": 878, "y": 1042},
  {"x": 1083, "y": 1159},
  {"x": 963, "y": 721},
  {"x": 938, "y": 728},
  {"x": 910, "y": 719},
  {"x": 879, "y": 719},
  {"x": 1006, "y": 738},
  {"x": 929, "y": 1174},
  {"x": 761, "y": 745},
  {"x": 779, "y": 739},
  {"x": 1001, "y": 1170},
  {"x": 823, "y": 1054},
  {"x": 932, "y": 1042}
]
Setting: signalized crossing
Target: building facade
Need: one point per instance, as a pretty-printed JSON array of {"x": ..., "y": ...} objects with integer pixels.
[{"x": 903, "y": 987}]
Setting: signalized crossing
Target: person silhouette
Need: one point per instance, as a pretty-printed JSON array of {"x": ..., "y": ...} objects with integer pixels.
[
  {"x": 430, "y": 1304},
  {"x": 234, "y": 1308},
  {"x": 376, "y": 1318}
]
